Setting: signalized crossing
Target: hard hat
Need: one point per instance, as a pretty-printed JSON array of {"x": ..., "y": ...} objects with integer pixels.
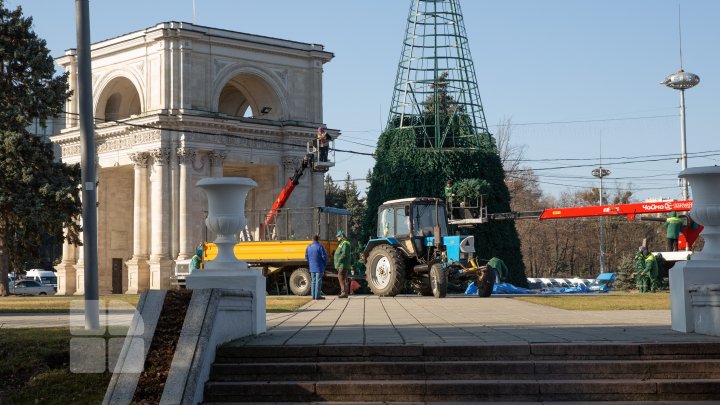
[{"x": 340, "y": 233}]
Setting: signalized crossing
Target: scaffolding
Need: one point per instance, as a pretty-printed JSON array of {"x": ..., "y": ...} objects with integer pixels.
[{"x": 436, "y": 91}]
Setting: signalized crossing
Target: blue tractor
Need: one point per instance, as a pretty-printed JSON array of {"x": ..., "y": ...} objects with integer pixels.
[{"x": 413, "y": 244}]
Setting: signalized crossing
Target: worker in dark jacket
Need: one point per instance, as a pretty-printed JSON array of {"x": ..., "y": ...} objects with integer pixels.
[
  {"x": 316, "y": 257},
  {"x": 342, "y": 262},
  {"x": 674, "y": 226}
]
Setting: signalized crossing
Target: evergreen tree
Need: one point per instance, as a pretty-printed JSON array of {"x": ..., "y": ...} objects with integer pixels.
[
  {"x": 28, "y": 87},
  {"x": 334, "y": 196},
  {"x": 356, "y": 206},
  {"x": 37, "y": 194}
]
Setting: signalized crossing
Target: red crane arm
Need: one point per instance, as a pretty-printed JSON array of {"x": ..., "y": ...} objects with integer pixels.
[
  {"x": 285, "y": 193},
  {"x": 628, "y": 210}
]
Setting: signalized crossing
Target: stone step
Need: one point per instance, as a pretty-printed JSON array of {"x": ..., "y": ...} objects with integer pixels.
[
  {"x": 525, "y": 351},
  {"x": 468, "y": 370},
  {"x": 465, "y": 390}
]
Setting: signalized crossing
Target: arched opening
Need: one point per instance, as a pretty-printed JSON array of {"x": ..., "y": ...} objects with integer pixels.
[
  {"x": 118, "y": 100},
  {"x": 249, "y": 96}
]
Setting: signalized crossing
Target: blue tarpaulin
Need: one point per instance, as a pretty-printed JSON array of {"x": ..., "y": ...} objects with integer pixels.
[{"x": 506, "y": 288}]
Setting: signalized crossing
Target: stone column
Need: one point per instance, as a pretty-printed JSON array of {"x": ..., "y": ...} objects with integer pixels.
[
  {"x": 160, "y": 263},
  {"x": 186, "y": 159},
  {"x": 174, "y": 202},
  {"x": 66, "y": 270},
  {"x": 80, "y": 266},
  {"x": 138, "y": 268},
  {"x": 216, "y": 163}
]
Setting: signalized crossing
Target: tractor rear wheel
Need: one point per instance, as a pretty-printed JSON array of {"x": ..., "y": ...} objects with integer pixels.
[
  {"x": 438, "y": 280},
  {"x": 486, "y": 282},
  {"x": 300, "y": 282},
  {"x": 386, "y": 271}
]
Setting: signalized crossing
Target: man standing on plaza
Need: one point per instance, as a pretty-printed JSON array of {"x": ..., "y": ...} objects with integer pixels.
[
  {"x": 342, "y": 262},
  {"x": 316, "y": 257}
]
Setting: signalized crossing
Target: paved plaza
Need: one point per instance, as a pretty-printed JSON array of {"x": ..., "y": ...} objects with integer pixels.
[{"x": 461, "y": 320}]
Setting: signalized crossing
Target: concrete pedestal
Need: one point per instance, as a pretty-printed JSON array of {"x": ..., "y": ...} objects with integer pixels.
[
  {"x": 706, "y": 308},
  {"x": 684, "y": 278},
  {"x": 248, "y": 280}
]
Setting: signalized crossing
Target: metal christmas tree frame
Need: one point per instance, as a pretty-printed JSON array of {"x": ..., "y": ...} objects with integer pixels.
[{"x": 436, "y": 90}]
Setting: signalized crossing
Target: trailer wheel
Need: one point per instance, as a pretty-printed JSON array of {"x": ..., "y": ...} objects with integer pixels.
[
  {"x": 300, "y": 282},
  {"x": 438, "y": 280},
  {"x": 386, "y": 271},
  {"x": 486, "y": 282}
]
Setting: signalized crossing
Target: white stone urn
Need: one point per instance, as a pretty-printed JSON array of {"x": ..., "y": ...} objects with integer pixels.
[
  {"x": 705, "y": 183},
  {"x": 703, "y": 268},
  {"x": 226, "y": 217}
]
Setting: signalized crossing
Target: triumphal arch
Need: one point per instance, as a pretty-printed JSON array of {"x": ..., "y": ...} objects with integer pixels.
[{"x": 175, "y": 103}]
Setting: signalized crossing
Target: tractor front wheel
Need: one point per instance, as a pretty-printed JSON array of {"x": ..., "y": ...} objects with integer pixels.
[
  {"x": 486, "y": 282},
  {"x": 386, "y": 271},
  {"x": 438, "y": 280}
]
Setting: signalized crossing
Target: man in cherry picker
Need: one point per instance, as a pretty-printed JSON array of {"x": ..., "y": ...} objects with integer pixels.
[
  {"x": 449, "y": 192},
  {"x": 323, "y": 140}
]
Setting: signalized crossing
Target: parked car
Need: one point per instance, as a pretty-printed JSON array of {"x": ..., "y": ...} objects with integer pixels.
[
  {"x": 43, "y": 276},
  {"x": 32, "y": 287}
]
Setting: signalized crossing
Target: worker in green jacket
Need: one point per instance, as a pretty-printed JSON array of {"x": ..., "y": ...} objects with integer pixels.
[
  {"x": 648, "y": 279},
  {"x": 342, "y": 262},
  {"x": 500, "y": 267},
  {"x": 674, "y": 227}
]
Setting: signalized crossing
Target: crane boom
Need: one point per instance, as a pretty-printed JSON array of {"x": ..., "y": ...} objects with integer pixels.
[
  {"x": 628, "y": 210},
  {"x": 285, "y": 193}
]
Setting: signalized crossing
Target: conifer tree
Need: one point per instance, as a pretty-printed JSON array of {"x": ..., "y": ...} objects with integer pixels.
[{"x": 37, "y": 194}]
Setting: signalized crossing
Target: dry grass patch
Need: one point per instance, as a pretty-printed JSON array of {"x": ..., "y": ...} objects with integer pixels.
[
  {"x": 55, "y": 304},
  {"x": 61, "y": 304},
  {"x": 277, "y": 303},
  {"x": 603, "y": 302}
]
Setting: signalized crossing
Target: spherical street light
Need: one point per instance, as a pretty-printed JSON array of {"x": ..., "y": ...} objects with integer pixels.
[{"x": 682, "y": 80}]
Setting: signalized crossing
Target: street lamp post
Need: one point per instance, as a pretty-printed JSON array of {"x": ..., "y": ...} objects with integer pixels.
[
  {"x": 601, "y": 172},
  {"x": 682, "y": 80}
]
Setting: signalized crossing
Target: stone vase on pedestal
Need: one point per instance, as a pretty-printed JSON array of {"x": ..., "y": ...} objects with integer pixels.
[
  {"x": 226, "y": 217},
  {"x": 689, "y": 281}
]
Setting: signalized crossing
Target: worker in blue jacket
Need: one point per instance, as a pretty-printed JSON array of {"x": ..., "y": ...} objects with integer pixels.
[{"x": 316, "y": 257}]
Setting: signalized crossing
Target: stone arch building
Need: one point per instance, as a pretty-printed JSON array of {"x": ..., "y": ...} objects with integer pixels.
[{"x": 174, "y": 103}]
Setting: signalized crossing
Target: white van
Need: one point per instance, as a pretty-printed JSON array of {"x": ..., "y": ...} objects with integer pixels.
[{"x": 43, "y": 276}]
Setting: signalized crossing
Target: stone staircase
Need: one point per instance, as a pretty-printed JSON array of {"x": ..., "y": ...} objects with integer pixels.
[{"x": 512, "y": 372}]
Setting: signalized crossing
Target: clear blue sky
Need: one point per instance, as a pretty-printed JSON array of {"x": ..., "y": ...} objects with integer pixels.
[{"x": 541, "y": 64}]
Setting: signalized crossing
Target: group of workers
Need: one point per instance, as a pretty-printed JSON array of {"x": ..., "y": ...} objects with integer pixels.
[{"x": 316, "y": 256}]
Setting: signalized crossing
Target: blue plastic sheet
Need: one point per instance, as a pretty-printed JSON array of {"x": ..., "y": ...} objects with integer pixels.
[
  {"x": 501, "y": 288},
  {"x": 506, "y": 288}
]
